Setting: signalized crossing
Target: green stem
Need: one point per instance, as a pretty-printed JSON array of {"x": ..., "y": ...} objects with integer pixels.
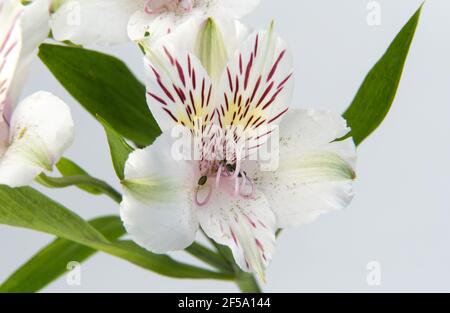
[{"x": 76, "y": 180}]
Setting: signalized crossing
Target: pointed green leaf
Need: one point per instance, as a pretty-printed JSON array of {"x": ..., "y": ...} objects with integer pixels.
[
  {"x": 118, "y": 148},
  {"x": 377, "y": 93},
  {"x": 27, "y": 208},
  {"x": 103, "y": 85},
  {"x": 51, "y": 262}
]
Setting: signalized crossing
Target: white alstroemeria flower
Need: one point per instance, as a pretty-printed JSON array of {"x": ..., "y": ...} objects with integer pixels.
[
  {"x": 117, "y": 21},
  {"x": 33, "y": 134},
  {"x": 166, "y": 199}
]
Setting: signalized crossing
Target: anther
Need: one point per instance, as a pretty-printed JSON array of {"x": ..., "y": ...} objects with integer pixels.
[
  {"x": 231, "y": 168},
  {"x": 202, "y": 180}
]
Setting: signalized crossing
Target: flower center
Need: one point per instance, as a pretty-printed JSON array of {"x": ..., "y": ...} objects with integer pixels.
[
  {"x": 221, "y": 176},
  {"x": 160, "y": 6}
]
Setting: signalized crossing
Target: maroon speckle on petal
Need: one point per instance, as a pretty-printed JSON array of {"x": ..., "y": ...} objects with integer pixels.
[{"x": 233, "y": 235}]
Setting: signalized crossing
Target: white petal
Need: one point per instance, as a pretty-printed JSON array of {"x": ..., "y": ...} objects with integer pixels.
[
  {"x": 234, "y": 34},
  {"x": 35, "y": 29},
  {"x": 10, "y": 47},
  {"x": 94, "y": 21},
  {"x": 239, "y": 8},
  {"x": 179, "y": 90},
  {"x": 247, "y": 226},
  {"x": 157, "y": 200},
  {"x": 141, "y": 25},
  {"x": 155, "y": 26},
  {"x": 315, "y": 174},
  {"x": 188, "y": 37},
  {"x": 41, "y": 129},
  {"x": 258, "y": 76},
  {"x": 256, "y": 88},
  {"x": 35, "y": 25},
  {"x": 182, "y": 30}
]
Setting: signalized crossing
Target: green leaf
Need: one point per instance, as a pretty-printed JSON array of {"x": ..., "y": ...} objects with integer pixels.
[
  {"x": 103, "y": 85},
  {"x": 51, "y": 262},
  {"x": 118, "y": 147},
  {"x": 27, "y": 208},
  {"x": 377, "y": 93},
  {"x": 68, "y": 168}
]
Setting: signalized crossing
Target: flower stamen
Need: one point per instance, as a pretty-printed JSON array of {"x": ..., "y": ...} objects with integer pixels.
[
  {"x": 218, "y": 176},
  {"x": 241, "y": 185},
  {"x": 253, "y": 188},
  {"x": 207, "y": 198}
]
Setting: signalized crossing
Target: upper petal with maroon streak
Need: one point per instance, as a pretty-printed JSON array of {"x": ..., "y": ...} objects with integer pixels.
[
  {"x": 179, "y": 90},
  {"x": 256, "y": 88}
]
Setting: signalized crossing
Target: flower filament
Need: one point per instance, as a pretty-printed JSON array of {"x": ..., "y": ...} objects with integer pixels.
[{"x": 224, "y": 174}]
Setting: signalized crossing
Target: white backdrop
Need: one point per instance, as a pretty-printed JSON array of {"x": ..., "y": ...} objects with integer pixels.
[{"x": 400, "y": 216}]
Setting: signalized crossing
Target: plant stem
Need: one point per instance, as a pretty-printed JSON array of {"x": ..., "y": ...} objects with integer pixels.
[{"x": 67, "y": 181}]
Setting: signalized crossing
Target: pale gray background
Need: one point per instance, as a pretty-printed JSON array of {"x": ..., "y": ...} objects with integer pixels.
[{"x": 400, "y": 216}]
